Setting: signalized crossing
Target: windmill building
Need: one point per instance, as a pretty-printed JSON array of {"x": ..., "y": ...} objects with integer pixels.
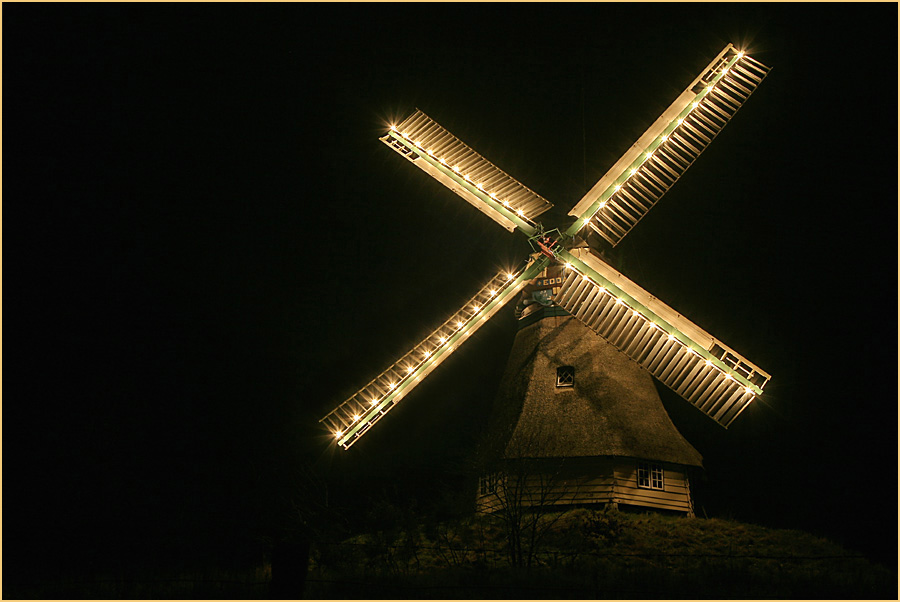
[
  {"x": 589, "y": 415},
  {"x": 577, "y": 401}
]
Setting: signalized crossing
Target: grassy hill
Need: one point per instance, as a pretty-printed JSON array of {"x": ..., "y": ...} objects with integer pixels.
[
  {"x": 595, "y": 554},
  {"x": 579, "y": 554}
]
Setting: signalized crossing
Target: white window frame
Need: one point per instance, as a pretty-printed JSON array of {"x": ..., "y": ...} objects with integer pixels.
[
  {"x": 560, "y": 384},
  {"x": 651, "y": 476}
]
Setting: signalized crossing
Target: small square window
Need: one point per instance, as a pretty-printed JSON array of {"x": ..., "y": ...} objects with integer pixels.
[
  {"x": 565, "y": 376},
  {"x": 489, "y": 484},
  {"x": 650, "y": 476}
]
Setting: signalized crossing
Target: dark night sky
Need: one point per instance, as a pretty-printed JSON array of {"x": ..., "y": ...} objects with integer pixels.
[{"x": 208, "y": 247}]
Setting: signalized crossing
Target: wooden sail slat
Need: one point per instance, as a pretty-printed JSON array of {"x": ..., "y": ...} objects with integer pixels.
[
  {"x": 699, "y": 113},
  {"x": 682, "y": 356},
  {"x": 352, "y": 418},
  {"x": 424, "y": 134}
]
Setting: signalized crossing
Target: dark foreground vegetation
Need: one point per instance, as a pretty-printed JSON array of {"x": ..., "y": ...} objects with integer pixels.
[{"x": 598, "y": 554}]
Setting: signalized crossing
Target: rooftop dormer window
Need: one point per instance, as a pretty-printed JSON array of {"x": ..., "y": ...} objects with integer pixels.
[{"x": 565, "y": 377}]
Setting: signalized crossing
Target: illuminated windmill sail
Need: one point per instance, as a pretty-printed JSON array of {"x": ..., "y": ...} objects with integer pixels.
[{"x": 707, "y": 373}]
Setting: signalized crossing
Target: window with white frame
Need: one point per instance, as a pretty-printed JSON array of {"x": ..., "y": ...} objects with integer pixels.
[
  {"x": 565, "y": 377},
  {"x": 650, "y": 476}
]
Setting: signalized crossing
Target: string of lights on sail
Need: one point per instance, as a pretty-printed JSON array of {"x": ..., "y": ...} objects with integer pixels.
[
  {"x": 713, "y": 377},
  {"x": 453, "y": 163},
  {"x": 355, "y": 416},
  {"x": 664, "y": 152}
]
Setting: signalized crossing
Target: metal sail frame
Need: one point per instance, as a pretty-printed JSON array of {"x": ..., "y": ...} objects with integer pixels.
[{"x": 713, "y": 377}]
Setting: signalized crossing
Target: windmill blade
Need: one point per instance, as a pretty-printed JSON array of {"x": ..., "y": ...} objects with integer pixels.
[
  {"x": 655, "y": 162},
  {"x": 355, "y": 416},
  {"x": 710, "y": 375},
  {"x": 443, "y": 156}
]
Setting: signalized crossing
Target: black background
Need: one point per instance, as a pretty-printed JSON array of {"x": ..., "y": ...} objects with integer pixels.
[{"x": 208, "y": 247}]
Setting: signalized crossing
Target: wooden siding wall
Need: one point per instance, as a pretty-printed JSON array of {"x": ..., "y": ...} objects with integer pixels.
[
  {"x": 588, "y": 481},
  {"x": 676, "y": 493}
]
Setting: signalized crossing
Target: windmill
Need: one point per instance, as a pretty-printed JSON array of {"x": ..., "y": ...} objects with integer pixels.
[{"x": 595, "y": 308}]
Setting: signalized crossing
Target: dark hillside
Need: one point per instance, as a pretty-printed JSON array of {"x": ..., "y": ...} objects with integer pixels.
[
  {"x": 595, "y": 554},
  {"x": 406, "y": 553}
]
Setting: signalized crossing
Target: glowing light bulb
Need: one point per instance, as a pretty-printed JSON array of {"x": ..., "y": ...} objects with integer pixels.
[
  {"x": 708, "y": 363},
  {"x": 603, "y": 289},
  {"x": 492, "y": 292},
  {"x": 443, "y": 340},
  {"x": 456, "y": 168},
  {"x": 671, "y": 337},
  {"x": 442, "y": 161},
  {"x": 520, "y": 213},
  {"x": 568, "y": 266},
  {"x": 506, "y": 203},
  {"x": 634, "y": 312},
  {"x": 392, "y": 386},
  {"x": 634, "y": 171},
  {"x": 493, "y": 196},
  {"x": 337, "y": 434},
  {"x": 427, "y": 354},
  {"x": 355, "y": 417},
  {"x": 602, "y": 204},
  {"x": 585, "y": 277},
  {"x": 694, "y": 105},
  {"x": 748, "y": 390},
  {"x": 393, "y": 128},
  {"x": 664, "y": 138},
  {"x": 459, "y": 324},
  {"x": 373, "y": 402},
  {"x": 509, "y": 276},
  {"x": 619, "y": 302},
  {"x": 728, "y": 377},
  {"x": 725, "y": 72},
  {"x": 476, "y": 307},
  {"x": 479, "y": 187},
  {"x": 618, "y": 187},
  {"x": 680, "y": 121},
  {"x": 409, "y": 370},
  {"x": 741, "y": 54},
  {"x": 466, "y": 177}
]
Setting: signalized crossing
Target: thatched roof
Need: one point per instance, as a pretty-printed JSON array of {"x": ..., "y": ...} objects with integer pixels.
[{"x": 613, "y": 409}]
